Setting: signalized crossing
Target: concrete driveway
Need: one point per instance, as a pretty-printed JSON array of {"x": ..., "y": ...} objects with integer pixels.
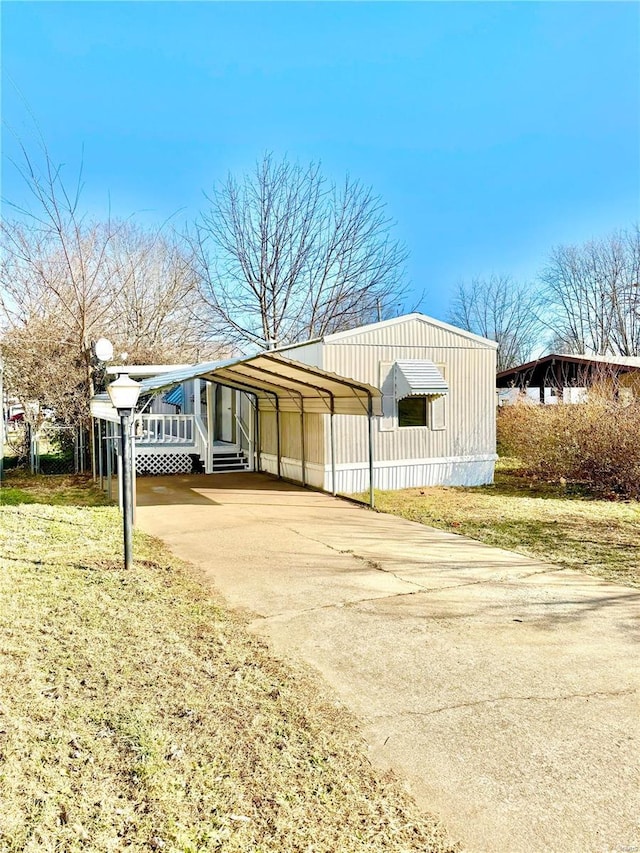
[{"x": 503, "y": 690}]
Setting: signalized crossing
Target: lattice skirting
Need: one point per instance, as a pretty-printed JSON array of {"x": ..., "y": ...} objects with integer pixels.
[{"x": 165, "y": 463}]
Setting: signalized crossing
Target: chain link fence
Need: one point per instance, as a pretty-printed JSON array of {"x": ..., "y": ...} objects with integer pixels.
[{"x": 53, "y": 449}]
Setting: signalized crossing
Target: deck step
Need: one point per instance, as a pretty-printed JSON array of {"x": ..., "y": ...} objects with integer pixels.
[{"x": 229, "y": 461}]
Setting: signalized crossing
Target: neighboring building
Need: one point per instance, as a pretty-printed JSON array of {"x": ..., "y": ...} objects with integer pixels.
[
  {"x": 566, "y": 378},
  {"x": 426, "y": 390}
]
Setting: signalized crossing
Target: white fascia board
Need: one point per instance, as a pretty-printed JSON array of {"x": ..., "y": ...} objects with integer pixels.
[
  {"x": 103, "y": 410},
  {"x": 287, "y": 347},
  {"x": 143, "y": 371}
]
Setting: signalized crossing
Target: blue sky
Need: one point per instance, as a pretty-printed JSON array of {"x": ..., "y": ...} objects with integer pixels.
[{"x": 492, "y": 130}]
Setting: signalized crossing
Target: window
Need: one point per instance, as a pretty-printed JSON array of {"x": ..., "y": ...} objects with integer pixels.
[
  {"x": 414, "y": 393},
  {"x": 412, "y": 412}
]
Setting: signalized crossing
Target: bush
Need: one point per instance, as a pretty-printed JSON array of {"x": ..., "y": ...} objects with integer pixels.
[
  {"x": 57, "y": 463},
  {"x": 595, "y": 443}
]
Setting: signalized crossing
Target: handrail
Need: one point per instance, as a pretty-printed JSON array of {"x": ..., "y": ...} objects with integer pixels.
[
  {"x": 202, "y": 435},
  {"x": 241, "y": 424},
  {"x": 201, "y": 440},
  {"x": 247, "y": 432}
]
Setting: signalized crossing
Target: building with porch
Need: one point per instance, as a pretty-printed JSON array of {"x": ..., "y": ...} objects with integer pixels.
[{"x": 567, "y": 378}]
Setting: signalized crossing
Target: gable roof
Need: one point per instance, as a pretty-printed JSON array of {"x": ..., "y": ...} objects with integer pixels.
[{"x": 408, "y": 318}]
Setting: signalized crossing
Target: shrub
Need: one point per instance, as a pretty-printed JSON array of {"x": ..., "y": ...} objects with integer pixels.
[{"x": 595, "y": 443}]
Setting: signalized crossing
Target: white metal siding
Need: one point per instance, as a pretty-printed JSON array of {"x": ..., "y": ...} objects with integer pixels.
[
  {"x": 159, "y": 407},
  {"x": 412, "y": 332},
  {"x": 310, "y": 354},
  {"x": 462, "y": 453},
  {"x": 290, "y": 435},
  {"x": 466, "y": 471},
  {"x": 268, "y": 440},
  {"x": 291, "y": 469},
  {"x": 469, "y": 405}
]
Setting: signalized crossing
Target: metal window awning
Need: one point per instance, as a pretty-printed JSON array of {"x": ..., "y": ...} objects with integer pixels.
[
  {"x": 175, "y": 397},
  {"x": 418, "y": 378},
  {"x": 273, "y": 377}
]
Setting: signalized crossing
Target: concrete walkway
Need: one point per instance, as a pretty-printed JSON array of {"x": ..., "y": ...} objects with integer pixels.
[{"x": 503, "y": 690}]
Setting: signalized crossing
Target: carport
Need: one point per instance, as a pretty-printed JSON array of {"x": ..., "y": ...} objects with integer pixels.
[{"x": 281, "y": 385}]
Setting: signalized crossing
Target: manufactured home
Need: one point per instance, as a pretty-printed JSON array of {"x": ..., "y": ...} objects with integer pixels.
[{"x": 403, "y": 402}]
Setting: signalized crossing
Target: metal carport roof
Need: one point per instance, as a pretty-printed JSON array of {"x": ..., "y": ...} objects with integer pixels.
[
  {"x": 272, "y": 377},
  {"x": 281, "y": 383}
]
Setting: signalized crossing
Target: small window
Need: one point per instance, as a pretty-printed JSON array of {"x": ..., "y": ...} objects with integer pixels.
[{"x": 412, "y": 412}]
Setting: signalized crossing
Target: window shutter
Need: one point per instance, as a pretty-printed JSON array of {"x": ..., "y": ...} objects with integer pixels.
[
  {"x": 386, "y": 384},
  {"x": 437, "y": 407}
]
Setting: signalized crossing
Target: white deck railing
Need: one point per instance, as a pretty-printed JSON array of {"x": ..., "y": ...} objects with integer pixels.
[{"x": 165, "y": 429}]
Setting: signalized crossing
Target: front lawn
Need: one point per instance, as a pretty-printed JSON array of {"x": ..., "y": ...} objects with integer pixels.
[
  {"x": 69, "y": 489},
  {"x": 550, "y": 522},
  {"x": 137, "y": 713}
]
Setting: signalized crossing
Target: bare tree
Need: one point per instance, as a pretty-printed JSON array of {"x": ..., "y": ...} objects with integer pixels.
[
  {"x": 53, "y": 261},
  {"x": 593, "y": 295},
  {"x": 284, "y": 255},
  {"x": 66, "y": 280},
  {"x": 153, "y": 287},
  {"x": 502, "y": 310},
  {"x": 44, "y": 372}
]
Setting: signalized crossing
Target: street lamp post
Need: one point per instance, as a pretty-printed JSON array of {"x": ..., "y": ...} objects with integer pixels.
[{"x": 124, "y": 393}]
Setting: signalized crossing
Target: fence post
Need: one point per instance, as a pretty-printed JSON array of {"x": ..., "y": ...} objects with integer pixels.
[
  {"x": 29, "y": 439},
  {"x": 98, "y": 444},
  {"x": 109, "y": 458}
]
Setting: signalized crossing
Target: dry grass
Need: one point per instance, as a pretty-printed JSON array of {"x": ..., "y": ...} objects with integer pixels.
[
  {"x": 22, "y": 487},
  {"x": 594, "y": 443},
  {"x": 549, "y": 522},
  {"x": 137, "y": 714}
]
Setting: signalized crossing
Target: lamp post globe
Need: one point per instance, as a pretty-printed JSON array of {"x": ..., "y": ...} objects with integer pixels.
[{"x": 124, "y": 393}]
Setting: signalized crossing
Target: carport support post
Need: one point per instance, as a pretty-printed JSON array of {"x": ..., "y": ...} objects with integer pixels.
[
  {"x": 278, "y": 435},
  {"x": 256, "y": 435},
  {"x": 302, "y": 448},
  {"x": 333, "y": 448},
  {"x": 370, "y": 425}
]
